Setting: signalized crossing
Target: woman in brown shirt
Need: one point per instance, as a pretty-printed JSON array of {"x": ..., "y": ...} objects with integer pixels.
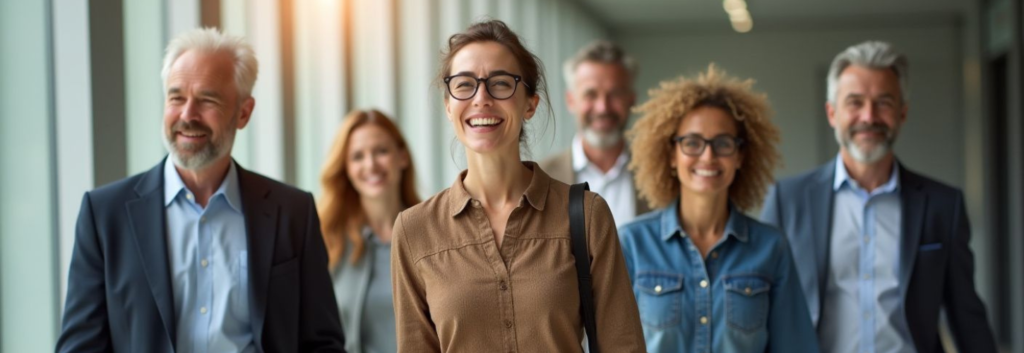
[{"x": 487, "y": 265}]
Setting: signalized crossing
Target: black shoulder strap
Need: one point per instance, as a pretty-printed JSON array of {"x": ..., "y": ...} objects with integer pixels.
[{"x": 578, "y": 230}]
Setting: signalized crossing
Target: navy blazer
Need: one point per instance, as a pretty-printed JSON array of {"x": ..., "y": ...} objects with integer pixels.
[
  {"x": 120, "y": 297},
  {"x": 936, "y": 263}
]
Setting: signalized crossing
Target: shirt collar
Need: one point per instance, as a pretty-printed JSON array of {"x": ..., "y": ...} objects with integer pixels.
[
  {"x": 536, "y": 193},
  {"x": 174, "y": 186},
  {"x": 580, "y": 161},
  {"x": 736, "y": 226},
  {"x": 843, "y": 177}
]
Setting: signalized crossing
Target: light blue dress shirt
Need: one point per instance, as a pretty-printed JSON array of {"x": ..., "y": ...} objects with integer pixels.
[
  {"x": 744, "y": 297},
  {"x": 208, "y": 256},
  {"x": 863, "y": 311}
]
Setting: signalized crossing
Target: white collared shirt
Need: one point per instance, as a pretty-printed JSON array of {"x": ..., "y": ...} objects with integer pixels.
[{"x": 615, "y": 186}]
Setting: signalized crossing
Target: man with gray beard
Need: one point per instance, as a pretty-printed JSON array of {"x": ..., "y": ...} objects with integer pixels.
[
  {"x": 600, "y": 80},
  {"x": 879, "y": 248},
  {"x": 198, "y": 254}
]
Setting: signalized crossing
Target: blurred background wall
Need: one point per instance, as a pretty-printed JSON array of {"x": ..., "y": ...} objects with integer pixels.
[{"x": 81, "y": 102}]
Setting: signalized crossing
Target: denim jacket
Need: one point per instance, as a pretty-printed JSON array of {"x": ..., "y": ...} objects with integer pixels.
[{"x": 744, "y": 297}]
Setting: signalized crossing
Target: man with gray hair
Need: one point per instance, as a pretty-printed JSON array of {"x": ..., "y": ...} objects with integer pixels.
[
  {"x": 880, "y": 249},
  {"x": 600, "y": 80},
  {"x": 198, "y": 254}
]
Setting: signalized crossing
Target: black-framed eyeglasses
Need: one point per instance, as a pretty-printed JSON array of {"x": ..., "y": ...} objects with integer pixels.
[
  {"x": 500, "y": 87},
  {"x": 722, "y": 146}
]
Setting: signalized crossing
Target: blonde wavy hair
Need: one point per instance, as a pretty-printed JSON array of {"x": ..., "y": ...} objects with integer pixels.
[{"x": 652, "y": 149}]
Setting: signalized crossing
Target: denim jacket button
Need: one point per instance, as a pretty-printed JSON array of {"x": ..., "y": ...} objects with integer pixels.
[{"x": 657, "y": 289}]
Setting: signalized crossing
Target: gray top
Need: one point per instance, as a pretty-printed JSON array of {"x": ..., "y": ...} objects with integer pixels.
[{"x": 363, "y": 291}]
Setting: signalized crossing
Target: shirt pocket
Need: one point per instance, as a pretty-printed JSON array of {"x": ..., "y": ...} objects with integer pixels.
[
  {"x": 746, "y": 302},
  {"x": 659, "y": 298}
]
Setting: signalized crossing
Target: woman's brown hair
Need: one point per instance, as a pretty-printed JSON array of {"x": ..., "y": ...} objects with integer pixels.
[
  {"x": 664, "y": 111},
  {"x": 498, "y": 32},
  {"x": 341, "y": 213}
]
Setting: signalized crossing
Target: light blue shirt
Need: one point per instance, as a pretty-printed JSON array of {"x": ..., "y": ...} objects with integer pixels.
[
  {"x": 744, "y": 296},
  {"x": 208, "y": 256},
  {"x": 863, "y": 311}
]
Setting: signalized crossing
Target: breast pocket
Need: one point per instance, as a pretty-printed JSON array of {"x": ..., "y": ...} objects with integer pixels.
[
  {"x": 659, "y": 298},
  {"x": 746, "y": 302}
]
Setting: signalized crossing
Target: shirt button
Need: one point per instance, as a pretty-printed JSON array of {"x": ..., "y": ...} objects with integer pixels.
[
  {"x": 867, "y": 276},
  {"x": 703, "y": 320},
  {"x": 189, "y": 196},
  {"x": 747, "y": 290},
  {"x": 657, "y": 289},
  {"x": 503, "y": 286},
  {"x": 714, "y": 254},
  {"x": 203, "y": 263},
  {"x": 703, "y": 283},
  {"x": 202, "y": 219},
  {"x": 867, "y": 240},
  {"x": 202, "y": 310},
  {"x": 508, "y": 323}
]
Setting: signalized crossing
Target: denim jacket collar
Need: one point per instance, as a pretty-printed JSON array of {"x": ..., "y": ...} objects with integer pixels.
[{"x": 735, "y": 226}]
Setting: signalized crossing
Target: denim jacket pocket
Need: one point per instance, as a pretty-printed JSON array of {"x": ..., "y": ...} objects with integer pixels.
[
  {"x": 746, "y": 302},
  {"x": 659, "y": 298}
]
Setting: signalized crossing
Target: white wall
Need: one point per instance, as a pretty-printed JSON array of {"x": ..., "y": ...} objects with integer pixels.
[{"x": 791, "y": 65}]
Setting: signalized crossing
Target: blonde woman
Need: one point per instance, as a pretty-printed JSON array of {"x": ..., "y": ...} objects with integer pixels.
[
  {"x": 707, "y": 277},
  {"x": 368, "y": 179}
]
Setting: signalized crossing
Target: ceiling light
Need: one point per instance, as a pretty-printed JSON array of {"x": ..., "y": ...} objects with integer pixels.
[
  {"x": 734, "y": 5},
  {"x": 739, "y": 15},
  {"x": 743, "y": 26}
]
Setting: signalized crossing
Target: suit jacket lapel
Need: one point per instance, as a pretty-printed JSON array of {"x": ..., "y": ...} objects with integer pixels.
[
  {"x": 260, "y": 228},
  {"x": 146, "y": 215},
  {"x": 914, "y": 202},
  {"x": 820, "y": 196},
  {"x": 362, "y": 287}
]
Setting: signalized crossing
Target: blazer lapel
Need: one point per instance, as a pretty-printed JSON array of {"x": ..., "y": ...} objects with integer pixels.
[
  {"x": 819, "y": 196},
  {"x": 260, "y": 228},
  {"x": 146, "y": 215},
  {"x": 363, "y": 286},
  {"x": 914, "y": 202}
]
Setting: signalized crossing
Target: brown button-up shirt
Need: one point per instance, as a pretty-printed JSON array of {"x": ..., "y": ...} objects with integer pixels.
[{"x": 455, "y": 290}]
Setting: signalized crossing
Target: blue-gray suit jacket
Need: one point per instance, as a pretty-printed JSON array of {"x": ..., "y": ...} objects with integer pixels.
[
  {"x": 936, "y": 263},
  {"x": 120, "y": 297}
]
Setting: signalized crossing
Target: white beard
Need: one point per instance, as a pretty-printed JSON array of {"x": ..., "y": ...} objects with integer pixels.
[
  {"x": 601, "y": 141},
  {"x": 865, "y": 156}
]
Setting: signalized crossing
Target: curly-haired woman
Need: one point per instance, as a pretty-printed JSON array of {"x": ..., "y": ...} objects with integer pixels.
[{"x": 706, "y": 276}]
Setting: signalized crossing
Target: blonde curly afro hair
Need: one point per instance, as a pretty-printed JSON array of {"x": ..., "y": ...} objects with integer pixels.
[{"x": 652, "y": 149}]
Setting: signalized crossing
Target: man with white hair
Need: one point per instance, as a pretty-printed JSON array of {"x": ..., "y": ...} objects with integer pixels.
[
  {"x": 198, "y": 254},
  {"x": 600, "y": 80},
  {"x": 879, "y": 248}
]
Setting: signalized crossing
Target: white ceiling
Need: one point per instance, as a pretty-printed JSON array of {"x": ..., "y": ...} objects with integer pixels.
[{"x": 638, "y": 15}]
